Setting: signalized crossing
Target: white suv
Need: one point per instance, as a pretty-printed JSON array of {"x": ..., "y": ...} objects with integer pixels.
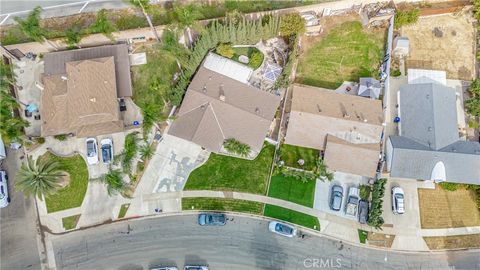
[
  {"x": 398, "y": 200},
  {"x": 4, "y": 198}
]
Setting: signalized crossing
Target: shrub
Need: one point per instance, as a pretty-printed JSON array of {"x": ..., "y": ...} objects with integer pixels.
[
  {"x": 256, "y": 59},
  {"x": 476, "y": 189},
  {"x": 450, "y": 186},
  {"x": 301, "y": 175},
  {"x": 129, "y": 152},
  {"x": 406, "y": 17},
  {"x": 375, "y": 216},
  {"x": 365, "y": 192},
  {"x": 130, "y": 21},
  {"x": 226, "y": 50},
  {"x": 236, "y": 147},
  {"x": 40, "y": 140},
  {"x": 292, "y": 24},
  {"x": 396, "y": 72},
  {"x": 61, "y": 137}
]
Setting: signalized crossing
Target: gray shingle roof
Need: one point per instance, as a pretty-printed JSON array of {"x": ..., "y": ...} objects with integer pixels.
[
  {"x": 428, "y": 114},
  {"x": 411, "y": 162}
]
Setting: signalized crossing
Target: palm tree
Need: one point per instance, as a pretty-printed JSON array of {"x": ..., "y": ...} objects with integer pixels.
[
  {"x": 186, "y": 18},
  {"x": 322, "y": 170},
  {"x": 39, "y": 178},
  {"x": 146, "y": 152},
  {"x": 114, "y": 181},
  {"x": 143, "y": 4},
  {"x": 32, "y": 29}
]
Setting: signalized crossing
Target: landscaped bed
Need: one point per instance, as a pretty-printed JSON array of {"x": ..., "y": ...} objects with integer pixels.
[
  {"x": 255, "y": 61},
  {"x": 290, "y": 154},
  {"x": 72, "y": 195},
  {"x": 291, "y": 189},
  {"x": 346, "y": 53},
  {"x": 233, "y": 174},
  {"x": 222, "y": 205},
  {"x": 70, "y": 222},
  {"x": 292, "y": 216},
  {"x": 440, "y": 208}
]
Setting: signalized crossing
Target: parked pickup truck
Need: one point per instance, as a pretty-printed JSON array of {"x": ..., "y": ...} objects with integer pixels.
[{"x": 352, "y": 202}]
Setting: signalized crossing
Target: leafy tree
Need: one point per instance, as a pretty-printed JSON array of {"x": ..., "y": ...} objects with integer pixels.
[
  {"x": 226, "y": 50},
  {"x": 236, "y": 147},
  {"x": 144, "y": 5},
  {"x": 146, "y": 152},
  {"x": 292, "y": 24},
  {"x": 375, "y": 215},
  {"x": 406, "y": 17},
  {"x": 39, "y": 178},
  {"x": 11, "y": 126},
  {"x": 473, "y": 104},
  {"x": 31, "y": 25},
  {"x": 114, "y": 182},
  {"x": 186, "y": 17},
  {"x": 102, "y": 24}
]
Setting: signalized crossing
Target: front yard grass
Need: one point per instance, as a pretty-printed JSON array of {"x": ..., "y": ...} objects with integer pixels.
[
  {"x": 123, "y": 210},
  {"x": 233, "y": 174},
  {"x": 291, "y": 189},
  {"x": 70, "y": 222},
  {"x": 292, "y": 216},
  {"x": 362, "y": 236},
  {"x": 72, "y": 195},
  {"x": 346, "y": 53},
  {"x": 440, "y": 208},
  {"x": 452, "y": 242},
  {"x": 222, "y": 205},
  {"x": 290, "y": 154}
]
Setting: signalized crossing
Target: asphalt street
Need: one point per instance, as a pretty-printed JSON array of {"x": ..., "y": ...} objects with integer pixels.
[
  {"x": 244, "y": 243},
  {"x": 18, "y": 233}
]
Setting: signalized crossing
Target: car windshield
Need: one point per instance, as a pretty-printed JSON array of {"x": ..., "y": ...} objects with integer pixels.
[
  {"x": 399, "y": 196},
  {"x": 2, "y": 192},
  {"x": 90, "y": 149},
  {"x": 106, "y": 152},
  {"x": 283, "y": 229}
]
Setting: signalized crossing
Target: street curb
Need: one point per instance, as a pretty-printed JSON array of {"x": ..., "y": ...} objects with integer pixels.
[{"x": 311, "y": 231}]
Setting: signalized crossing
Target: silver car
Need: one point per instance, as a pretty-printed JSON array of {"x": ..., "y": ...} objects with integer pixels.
[
  {"x": 398, "y": 200},
  {"x": 196, "y": 267},
  {"x": 282, "y": 229},
  {"x": 92, "y": 152},
  {"x": 336, "y": 198}
]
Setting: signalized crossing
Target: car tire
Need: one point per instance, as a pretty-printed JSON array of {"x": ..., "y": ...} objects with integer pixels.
[{"x": 8, "y": 199}]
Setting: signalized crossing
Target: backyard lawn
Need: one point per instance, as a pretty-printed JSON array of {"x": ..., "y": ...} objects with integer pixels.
[
  {"x": 233, "y": 174},
  {"x": 346, "y": 53},
  {"x": 72, "y": 195},
  {"x": 292, "y": 216},
  {"x": 290, "y": 154},
  {"x": 440, "y": 208},
  {"x": 291, "y": 189},
  {"x": 222, "y": 205}
]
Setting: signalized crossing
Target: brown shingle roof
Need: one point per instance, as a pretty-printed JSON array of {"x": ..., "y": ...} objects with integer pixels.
[
  {"x": 318, "y": 112},
  {"x": 82, "y": 101},
  {"x": 245, "y": 114},
  {"x": 55, "y": 63},
  {"x": 359, "y": 159}
]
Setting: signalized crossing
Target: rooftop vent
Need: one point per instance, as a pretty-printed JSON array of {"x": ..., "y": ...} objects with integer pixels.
[
  {"x": 93, "y": 99},
  {"x": 64, "y": 78},
  {"x": 257, "y": 110},
  {"x": 204, "y": 90},
  {"x": 318, "y": 108}
]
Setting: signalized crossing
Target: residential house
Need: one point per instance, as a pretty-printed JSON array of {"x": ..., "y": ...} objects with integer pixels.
[
  {"x": 221, "y": 104},
  {"x": 347, "y": 128},
  {"x": 81, "y": 90},
  {"x": 429, "y": 146}
]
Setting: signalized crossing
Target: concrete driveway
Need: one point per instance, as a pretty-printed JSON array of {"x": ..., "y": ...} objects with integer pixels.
[{"x": 322, "y": 192}]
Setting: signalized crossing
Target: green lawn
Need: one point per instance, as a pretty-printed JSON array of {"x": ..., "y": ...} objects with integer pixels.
[
  {"x": 291, "y": 189},
  {"x": 222, "y": 205},
  {"x": 290, "y": 154},
  {"x": 362, "y": 236},
  {"x": 292, "y": 216},
  {"x": 346, "y": 53},
  {"x": 70, "y": 222},
  {"x": 233, "y": 174},
  {"x": 72, "y": 195},
  {"x": 123, "y": 210},
  {"x": 248, "y": 51}
]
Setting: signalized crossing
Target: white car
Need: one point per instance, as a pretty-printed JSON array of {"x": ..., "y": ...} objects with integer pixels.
[
  {"x": 106, "y": 145},
  {"x": 398, "y": 200},
  {"x": 195, "y": 267},
  {"x": 4, "y": 198},
  {"x": 92, "y": 151},
  {"x": 165, "y": 268},
  {"x": 282, "y": 229}
]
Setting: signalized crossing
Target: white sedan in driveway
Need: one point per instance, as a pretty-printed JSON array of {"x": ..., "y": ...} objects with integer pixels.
[
  {"x": 398, "y": 200},
  {"x": 92, "y": 151},
  {"x": 282, "y": 229}
]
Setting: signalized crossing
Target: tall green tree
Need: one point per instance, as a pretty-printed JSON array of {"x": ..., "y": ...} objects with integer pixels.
[
  {"x": 292, "y": 24},
  {"x": 186, "y": 17},
  {"x": 144, "y": 5},
  {"x": 30, "y": 26},
  {"x": 114, "y": 182},
  {"x": 102, "y": 24},
  {"x": 39, "y": 178}
]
